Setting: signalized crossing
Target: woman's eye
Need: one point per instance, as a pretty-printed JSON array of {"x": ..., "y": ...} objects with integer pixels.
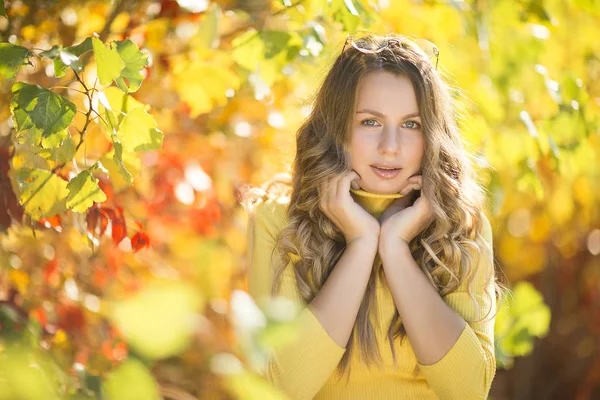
[
  {"x": 412, "y": 125},
  {"x": 366, "y": 122}
]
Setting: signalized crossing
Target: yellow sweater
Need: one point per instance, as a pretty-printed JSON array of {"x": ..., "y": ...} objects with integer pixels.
[{"x": 304, "y": 368}]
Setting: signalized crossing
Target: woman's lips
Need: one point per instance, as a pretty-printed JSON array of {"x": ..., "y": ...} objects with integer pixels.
[{"x": 386, "y": 173}]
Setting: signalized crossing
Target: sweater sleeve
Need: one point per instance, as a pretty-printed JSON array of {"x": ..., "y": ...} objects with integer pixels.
[
  {"x": 466, "y": 371},
  {"x": 299, "y": 367}
]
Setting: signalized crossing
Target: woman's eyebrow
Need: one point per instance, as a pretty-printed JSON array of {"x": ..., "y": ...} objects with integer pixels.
[{"x": 367, "y": 111}]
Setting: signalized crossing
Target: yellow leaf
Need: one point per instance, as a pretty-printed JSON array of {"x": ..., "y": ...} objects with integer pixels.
[
  {"x": 158, "y": 321},
  {"x": 203, "y": 86},
  {"x": 20, "y": 279}
]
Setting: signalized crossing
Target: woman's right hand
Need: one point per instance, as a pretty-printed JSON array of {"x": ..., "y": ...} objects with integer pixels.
[{"x": 350, "y": 218}]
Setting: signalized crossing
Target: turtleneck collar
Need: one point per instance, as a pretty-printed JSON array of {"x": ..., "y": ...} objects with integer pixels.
[{"x": 374, "y": 203}]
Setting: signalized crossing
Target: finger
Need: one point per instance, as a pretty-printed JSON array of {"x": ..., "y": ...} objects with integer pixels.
[
  {"x": 417, "y": 180},
  {"x": 420, "y": 181},
  {"x": 343, "y": 185},
  {"x": 354, "y": 182},
  {"x": 410, "y": 187}
]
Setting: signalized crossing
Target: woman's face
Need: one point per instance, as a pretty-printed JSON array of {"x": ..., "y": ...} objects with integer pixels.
[{"x": 386, "y": 132}]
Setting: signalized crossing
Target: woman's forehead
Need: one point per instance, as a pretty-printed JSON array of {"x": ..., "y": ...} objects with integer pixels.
[{"x": 384, "y": 92}]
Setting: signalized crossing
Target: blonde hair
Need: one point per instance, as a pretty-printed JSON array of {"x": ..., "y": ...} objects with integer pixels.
[{"x": 447, "y": 251}]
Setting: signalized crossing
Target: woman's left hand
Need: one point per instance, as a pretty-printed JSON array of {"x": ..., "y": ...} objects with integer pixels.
[{"x": 402, "y": 222}]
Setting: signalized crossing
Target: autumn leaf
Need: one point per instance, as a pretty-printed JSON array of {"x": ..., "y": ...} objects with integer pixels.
[
  {"x": 83, "y": 192},
  {"x": 41, "y": 193},
  {"x": 108, "y": 60},
  {"x": 130, "y": 78}
]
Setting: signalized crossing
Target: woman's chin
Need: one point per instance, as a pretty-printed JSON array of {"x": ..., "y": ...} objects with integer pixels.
[{"x": 381, "y": 189}]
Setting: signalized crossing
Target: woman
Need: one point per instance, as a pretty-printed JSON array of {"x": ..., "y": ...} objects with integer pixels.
[{"x": 380, "y": 239}]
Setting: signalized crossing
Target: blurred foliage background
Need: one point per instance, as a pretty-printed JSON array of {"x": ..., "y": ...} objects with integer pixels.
[{"x": 122, "y": 161}]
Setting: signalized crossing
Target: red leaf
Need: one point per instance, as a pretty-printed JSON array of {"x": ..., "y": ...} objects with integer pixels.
[
  {"x": 114, "y": 350},
  {"x": 51, "y": 275},
  {"x": 119, "y": 230},
  {"x": 106, "y": 186},
  {"x": 206, "y": 219},
  {"x": 51, "y": 222},
  {"x": 71, "y": 317},
  {"x": 139, "y": 241},
  {"x": 100, "y": 277},
  {"x": 40, "y": 315},
  {"x": 97, "y": 220}
]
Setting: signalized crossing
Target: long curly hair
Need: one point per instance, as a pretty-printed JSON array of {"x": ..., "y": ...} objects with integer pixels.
[{"x": 447, "y": 251}]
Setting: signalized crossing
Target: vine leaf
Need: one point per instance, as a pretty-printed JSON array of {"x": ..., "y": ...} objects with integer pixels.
[
  {"x": 40, "y": 114},
  {"x": 135, "y": 60},
  {"x": 11, "y": 59},
  {"x": 108, "y": 61},
  {"x": 69, "y": 57},
  {"x": 84, "y": 192},
  {"x": 138, "y": 132},
  {"x": 41, "y": 192}
]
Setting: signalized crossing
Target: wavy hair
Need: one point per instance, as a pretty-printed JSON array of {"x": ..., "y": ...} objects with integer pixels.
[{"x": 447, "y": 251}]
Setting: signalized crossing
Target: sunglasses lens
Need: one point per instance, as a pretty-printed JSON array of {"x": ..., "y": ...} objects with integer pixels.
[
  {"x": 363, "y": 41},
  {"x": 426, "y": 47}
]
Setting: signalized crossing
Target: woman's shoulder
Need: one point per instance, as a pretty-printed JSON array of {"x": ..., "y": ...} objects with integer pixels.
[
  {"x": 274, "y": 208},
  {"x": 270, "y": 201},
  {"x": 270, "y": 213}
]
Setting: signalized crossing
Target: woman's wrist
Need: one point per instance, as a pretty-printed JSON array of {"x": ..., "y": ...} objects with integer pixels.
[
  {"x": 393, "y": 251},
  {"x": 364, "y": 242}
]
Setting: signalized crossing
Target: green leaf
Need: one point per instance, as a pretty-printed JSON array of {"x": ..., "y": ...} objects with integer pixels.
[
  {"x": 11, "y": 59},
  {"x": 138, "y": 132},
  {"x": 351, "y": 8},
  {"x": 248, "y": 386},
  {"x": 135, "y": 60},
  {"x": 55, "y": 140},
  {"x": 131, "y": 381},
  {"x": 71, "y": 55},
  {"x": 523, "y": 317},
  {"x": 275, "y": 42},
  {"x": 26, "y": 156},
  {"x": 267, "y": 51},
  {"x": 248, "y": 49},
  {"x": 53, "y": 53},
  {"x": 61, "y": 154},
  {"x": 108, "y": 62},
  {"x": 208, "y": 36},
  {"x": 2, "y": 10},
  {"x": 45, "y": 113},
  {"x": 41, "y": 192},
  {"x": 119, "y": 165},
  {"x": 120, "y": 104},
  {"x": 84, "y": 192},
  {"x": 27, "y": 372},
  {"x": 156, "y": 320}
]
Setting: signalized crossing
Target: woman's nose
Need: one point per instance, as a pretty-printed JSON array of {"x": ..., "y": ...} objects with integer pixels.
[{"x": 389, "y": 142}]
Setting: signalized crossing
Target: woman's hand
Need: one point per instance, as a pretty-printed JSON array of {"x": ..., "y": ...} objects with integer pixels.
[
  {"x": 401, "y": 221},
  {"x": 350, "y": 218}
]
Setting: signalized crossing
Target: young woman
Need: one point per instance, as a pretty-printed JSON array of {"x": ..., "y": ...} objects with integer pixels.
[{"x": 380, "y": 239}]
